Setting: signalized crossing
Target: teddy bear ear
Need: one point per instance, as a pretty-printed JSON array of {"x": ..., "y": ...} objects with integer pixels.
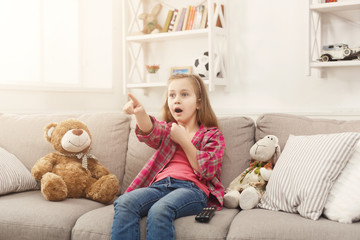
[{"x": 49, "y": 130}]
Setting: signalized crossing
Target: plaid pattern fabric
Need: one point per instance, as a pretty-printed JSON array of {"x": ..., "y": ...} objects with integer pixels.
[{"x": 210, "y": 145}]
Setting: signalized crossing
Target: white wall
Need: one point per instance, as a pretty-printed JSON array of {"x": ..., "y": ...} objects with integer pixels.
[{"x": 268, "y": 50}]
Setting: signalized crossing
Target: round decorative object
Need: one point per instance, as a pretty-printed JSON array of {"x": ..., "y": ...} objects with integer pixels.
[{"x": 201, "y": 65}]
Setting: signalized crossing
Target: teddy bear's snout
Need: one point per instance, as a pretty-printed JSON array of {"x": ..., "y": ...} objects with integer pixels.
[{"x": 77, "y": 132}]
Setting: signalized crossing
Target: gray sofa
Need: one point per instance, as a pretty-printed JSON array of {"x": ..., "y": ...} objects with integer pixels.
[{"x": 27, "y": 215}]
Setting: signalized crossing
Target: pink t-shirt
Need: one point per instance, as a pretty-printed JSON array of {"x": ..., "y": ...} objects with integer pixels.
[{"x": 180, "y": 168}]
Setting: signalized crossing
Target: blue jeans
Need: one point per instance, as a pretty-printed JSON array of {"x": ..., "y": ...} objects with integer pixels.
[{"x": 162, "y": 202}]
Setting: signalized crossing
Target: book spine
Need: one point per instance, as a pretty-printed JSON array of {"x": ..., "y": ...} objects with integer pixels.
[
  {"x": 181, "y": 21},
  {"x": 172, "y": 22},
  {"x": 198, "y": 16},
  {"x": 186, "y": 18},
  {"x": 204, "y": 18},
  {"x": 167, "y": 21},
  {"x": 191, "y": 18},
  {"x": 177, "y": 20}
]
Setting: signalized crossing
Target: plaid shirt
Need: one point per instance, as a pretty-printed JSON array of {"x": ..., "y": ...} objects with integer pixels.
[{"x": 210, "y": 145}]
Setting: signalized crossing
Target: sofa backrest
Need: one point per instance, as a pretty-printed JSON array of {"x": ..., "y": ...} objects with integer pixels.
[
  {"x": 239, "y": 134},
  {"x": 282, "y": 125},
  {"x": 23, "y": 136}
]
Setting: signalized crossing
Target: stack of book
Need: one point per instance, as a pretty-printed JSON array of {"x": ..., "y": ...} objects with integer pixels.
[{"x": 192, "y": 17}]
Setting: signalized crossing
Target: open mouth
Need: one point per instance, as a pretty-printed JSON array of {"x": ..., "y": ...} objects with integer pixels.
[{"x": 178, "y": 110}]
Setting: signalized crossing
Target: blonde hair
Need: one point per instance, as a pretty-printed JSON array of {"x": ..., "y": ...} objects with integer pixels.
[{"x": 205, "y": 114}]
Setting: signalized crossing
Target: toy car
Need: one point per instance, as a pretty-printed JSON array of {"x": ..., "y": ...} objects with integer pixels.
[{"x": 339, "y": 52}]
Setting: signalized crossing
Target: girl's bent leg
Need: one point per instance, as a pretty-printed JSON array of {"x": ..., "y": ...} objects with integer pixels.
[
  {"x": 183, "y": 201},
  {"x": 128, "y": 210}
]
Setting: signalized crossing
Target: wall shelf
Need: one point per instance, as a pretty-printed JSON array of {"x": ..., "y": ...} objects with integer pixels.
[
  {"x": 138, "y": 48},
  {"x": 352, "y": 63},
  {"x": 335, "y": 6},
  {"x": 348, "y": 10}
]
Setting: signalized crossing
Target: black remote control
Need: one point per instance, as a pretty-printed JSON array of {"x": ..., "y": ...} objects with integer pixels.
[{"x": 205, "y": 215}]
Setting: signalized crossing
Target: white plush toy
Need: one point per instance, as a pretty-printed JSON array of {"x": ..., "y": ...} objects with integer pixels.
[{"x": 246, "y": 190}]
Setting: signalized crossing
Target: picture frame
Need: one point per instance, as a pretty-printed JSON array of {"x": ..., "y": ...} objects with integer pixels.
[{"x": 181, "y": 70}]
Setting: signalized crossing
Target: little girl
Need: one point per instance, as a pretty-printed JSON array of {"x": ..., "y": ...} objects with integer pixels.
[{"x": 183, "y": 176}]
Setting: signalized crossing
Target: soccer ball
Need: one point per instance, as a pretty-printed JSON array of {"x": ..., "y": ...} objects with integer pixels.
[{"x": 201, "y": 65}]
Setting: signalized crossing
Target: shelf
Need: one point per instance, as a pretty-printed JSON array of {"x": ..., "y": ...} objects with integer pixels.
[
  {"x": 172, "y": 35},
  {"x": 138, "y": 48},
  {"x": 350, "y": 63},
  {"x": 348, "y": 12},
  {"x": 336, "y": 6}
]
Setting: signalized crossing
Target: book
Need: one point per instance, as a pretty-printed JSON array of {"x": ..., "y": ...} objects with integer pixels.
[
  {"x": 186, "y": 18},
  {"x": 198, "y": 16},
  {"x": 167, "y": 21},
  {"x": 191, "y": 18},
  {"x": 181, "y": 20},
  {"x": 177, "y": 20},
  {"x": 204, "y": 18},
  {"x": 173, "y": 19}
]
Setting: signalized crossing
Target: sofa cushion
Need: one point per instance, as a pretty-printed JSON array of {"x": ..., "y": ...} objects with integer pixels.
[
  {"x": 239, "y": 137},
  {"x": 14, "y": 177},
  {"x": 23, "y": 135},
  {"x": 305, "y": 172},
  {"x": 239, "y": 134},
  {"x": 96, "y": 225},
  {"x": 28, "y": 215},
  {"x": 265, "y": 224},
  {"x": 137, "y": 155},
  {"x": 282, "y": 125}
]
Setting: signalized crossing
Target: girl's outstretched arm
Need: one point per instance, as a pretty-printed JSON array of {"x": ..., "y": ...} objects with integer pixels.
[{"x": 142, "y": 118}]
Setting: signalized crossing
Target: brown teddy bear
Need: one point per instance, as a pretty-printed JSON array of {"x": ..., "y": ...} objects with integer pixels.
[
  {"x": 151, "y": 24},
  {"x": 71, "y": 171}
]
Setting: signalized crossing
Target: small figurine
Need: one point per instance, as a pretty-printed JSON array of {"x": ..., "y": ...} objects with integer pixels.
[
  {"x": 339, "y": 51},
  {"x": 150, "y": 20}
]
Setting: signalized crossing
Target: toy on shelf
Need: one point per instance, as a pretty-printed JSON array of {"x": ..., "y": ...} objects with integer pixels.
[
  {"x": 201, "y": 65},
  {"x": 151, "y": 24},
  {"x": 339, "y": 51}
]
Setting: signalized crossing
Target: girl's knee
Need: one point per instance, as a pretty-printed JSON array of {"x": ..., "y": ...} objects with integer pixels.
[
  {"x": 161, "y": 211},
  {"x": 123, "y": 202}
]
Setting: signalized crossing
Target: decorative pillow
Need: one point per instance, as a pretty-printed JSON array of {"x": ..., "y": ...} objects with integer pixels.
[
  {"x": 306, "y": 171},
  {"x": 14, "y": 176},
  {"x": 343, "y": 201}
]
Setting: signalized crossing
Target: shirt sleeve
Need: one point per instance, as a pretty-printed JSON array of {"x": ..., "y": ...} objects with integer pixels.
[
  {"x": 156, "y": 135},
  {"x": 210, "y": 156}
]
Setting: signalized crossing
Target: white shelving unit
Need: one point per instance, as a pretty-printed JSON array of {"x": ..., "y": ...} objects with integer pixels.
[
  {"x": 347, "y": 10},
  {"x": 137, "y": 47}
]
